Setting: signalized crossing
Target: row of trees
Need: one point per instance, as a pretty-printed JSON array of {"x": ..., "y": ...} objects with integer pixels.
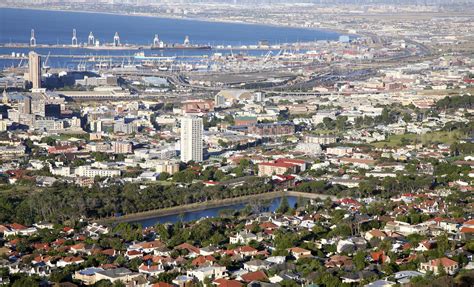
[
  {"x": 456, "y": 102},
  {"x": 64, "y": 202}
]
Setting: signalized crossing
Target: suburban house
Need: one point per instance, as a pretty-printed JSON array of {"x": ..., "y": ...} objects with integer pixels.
[
  {"x": 118, "y": 274},
  {"x": 214, "y": 271},
  {"x": 299, "y": 252},
  {"x": 243, "y": 237},
  {"x": 450, "y": 266}
]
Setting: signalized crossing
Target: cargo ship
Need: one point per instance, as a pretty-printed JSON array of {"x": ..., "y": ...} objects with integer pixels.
[
  {"x": 182, "y": 47},
  {"x": 160, "y": 45}
]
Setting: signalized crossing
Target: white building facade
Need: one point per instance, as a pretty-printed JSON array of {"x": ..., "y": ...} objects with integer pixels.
[{"x": 191, "y": 139}]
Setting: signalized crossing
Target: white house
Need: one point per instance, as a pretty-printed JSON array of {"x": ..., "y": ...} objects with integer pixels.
[{"x": 213, "y": 272}]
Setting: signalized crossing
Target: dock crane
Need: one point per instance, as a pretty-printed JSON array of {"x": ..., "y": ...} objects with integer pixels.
[
  {"x": 45, "y": 65},
  {"x": 267, "y": 56}
]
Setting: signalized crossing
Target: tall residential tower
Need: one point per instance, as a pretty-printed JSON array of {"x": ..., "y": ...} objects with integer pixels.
[{"x": 191, "y": 139}]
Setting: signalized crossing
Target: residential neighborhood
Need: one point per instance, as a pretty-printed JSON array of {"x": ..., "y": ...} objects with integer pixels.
[{"x": 235, "y": 143}]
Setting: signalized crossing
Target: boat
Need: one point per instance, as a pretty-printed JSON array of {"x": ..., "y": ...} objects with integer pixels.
[
  {"x": 181, "y": 47},
  {"x": 185, "y": 46}
]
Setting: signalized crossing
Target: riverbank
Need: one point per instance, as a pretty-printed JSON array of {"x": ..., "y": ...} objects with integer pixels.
[
  {"x": 199, "y": 206},
  {"x": 189, "y": 207}
]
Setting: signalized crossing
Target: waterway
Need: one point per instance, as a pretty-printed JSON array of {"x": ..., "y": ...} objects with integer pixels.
[
  {"x": 271, "y": 206},
  {"x": 55, "y": 27}
]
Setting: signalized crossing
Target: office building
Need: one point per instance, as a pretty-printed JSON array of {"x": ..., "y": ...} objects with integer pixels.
[
  {"x": 125, "y": 126},
  {"x": 26, "y": 105},
  {"x": 87, "y": 171},
  {"x": 34, "y": 66},
  {"x": 120, "y": 147},
  {"x": 272, "y": 129},
  {"x": 191, "y": 139}
]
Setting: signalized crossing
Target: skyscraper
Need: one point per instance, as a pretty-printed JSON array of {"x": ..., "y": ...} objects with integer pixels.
[
  {"x": 191, "y": 139},
  {"x": 27, "y": 105},
  {"x": 34, "y": 66}
]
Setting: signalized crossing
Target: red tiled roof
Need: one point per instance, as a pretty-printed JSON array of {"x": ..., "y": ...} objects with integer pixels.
[
  {"x": 349, "y": 201},
  {"x": 467, "y": 230},
  {"x": 134, "y": 252},
  {"x": 469, "y": 222},
  {"x": 378, "y": 256},
  {"x": 17, "y": 226},
  {"x": 222, "y": 282},
  {"x": 247, "y": 249},
  {"x": 268, "y": 225},
  {"x": 108, "y": 252},
  {"x": 377, "y": 233},
  {"x": 67, "y": 229},
  {"x": 298, "y": 250},
  {"x": 151, "y": 244},
  {"x": 149, "y": 267},
  {"x": 446, "y": 262},
  {"x": 278, "y": 164},
  {"x": 189, "y": 247},
  {"x": 59, "y": 241},
  {"x": 254, "y": 276},
  {"x": 202, "y": 260},
  {"x": 78, "y": 246}
]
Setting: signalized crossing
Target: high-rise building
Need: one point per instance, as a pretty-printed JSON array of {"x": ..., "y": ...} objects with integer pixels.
[
  {"x": 5, "y": 99},
  {"x": 27, "y": 105},
  {"x": 34, "y": 66},
  {"x": 191, "y": 139}
]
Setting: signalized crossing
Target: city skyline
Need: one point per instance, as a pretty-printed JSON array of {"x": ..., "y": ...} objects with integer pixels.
[{"x": 237, "y": 143}]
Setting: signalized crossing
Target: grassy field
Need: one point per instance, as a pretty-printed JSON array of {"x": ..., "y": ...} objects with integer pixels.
[
  {"x": 161, "y": 182},
  {"x": 453, "y": 92},
  {"x": 428, "y": 138}
]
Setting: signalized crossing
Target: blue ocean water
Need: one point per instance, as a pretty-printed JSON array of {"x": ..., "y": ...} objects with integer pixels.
[
  {"x": 55, "y": 27},
  {"x": 52, "y": 27}
]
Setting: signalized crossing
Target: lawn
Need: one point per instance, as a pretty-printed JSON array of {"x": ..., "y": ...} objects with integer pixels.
[
  {"x": 161, "y": 182},
  {"x": 432, "y": 137}
]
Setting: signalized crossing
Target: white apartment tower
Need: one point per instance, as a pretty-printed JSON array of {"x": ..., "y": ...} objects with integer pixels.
[{"x": 191, "y": 139}]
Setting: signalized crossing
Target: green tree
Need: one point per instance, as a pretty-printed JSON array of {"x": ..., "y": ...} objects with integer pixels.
[
  {"x": 164, "y": 176},
  {"x": 26, "y": 281},
  {"x": 359, "y": 260},
  {"x": 103, "y": 283},
  {"x": 284, "y": 206},
  {"x": 341, "y": 123},
  {"x": 441, "y": 271}
]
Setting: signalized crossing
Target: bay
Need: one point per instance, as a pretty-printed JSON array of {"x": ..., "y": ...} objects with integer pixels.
[
  {"x": 52, "y": 27},
  {"x": 55, "y": 27}
]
